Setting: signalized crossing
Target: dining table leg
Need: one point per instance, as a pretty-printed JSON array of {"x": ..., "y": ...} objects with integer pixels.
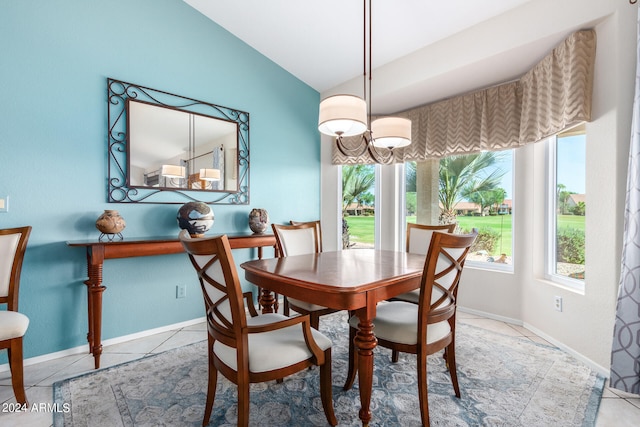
[
  {"x": 267, "y": 301},
  {"x": 365, "y": 342}
]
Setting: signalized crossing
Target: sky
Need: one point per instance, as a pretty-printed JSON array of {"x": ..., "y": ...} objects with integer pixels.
[{"x": 570, "y": 165}]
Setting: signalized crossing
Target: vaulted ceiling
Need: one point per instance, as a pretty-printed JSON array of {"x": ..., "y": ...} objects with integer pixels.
[{"x": 321, "y": 42}]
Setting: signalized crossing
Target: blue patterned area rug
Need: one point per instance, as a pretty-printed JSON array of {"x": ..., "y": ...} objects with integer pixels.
[{"x": 504, "y": 381}]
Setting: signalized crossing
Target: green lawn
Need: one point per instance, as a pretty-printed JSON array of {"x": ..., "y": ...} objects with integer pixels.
[
  {"x": 571, "y": 221},
  {"x": 361, "y": 228}
]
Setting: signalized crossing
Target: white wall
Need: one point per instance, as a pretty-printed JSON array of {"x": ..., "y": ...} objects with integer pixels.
[{"x": 585, "y": 326}]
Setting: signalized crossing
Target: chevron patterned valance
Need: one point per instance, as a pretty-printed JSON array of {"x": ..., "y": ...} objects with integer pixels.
[
  {"x": 553, "y": 96},
  {"x": 556, "y": 93}
]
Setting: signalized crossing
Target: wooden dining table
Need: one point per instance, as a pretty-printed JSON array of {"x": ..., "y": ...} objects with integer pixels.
[{"x": 353, "y": 279}]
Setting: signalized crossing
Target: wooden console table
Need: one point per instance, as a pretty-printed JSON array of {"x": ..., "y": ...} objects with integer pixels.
[{"x": 98, "y": 251}]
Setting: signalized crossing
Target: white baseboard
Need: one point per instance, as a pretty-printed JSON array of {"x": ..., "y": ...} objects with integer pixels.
[
  {"x": 590, "y": 363},
  {"x": 84, "y": 348},
  {"x": 490, "y": 316},
  {"x": 605, "y": 372}
]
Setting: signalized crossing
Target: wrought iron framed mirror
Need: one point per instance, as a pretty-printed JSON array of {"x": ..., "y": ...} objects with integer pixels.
[{"x": 166, "y": 148}]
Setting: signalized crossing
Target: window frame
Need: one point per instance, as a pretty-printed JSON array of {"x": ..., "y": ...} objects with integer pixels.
[
  {"x": 551, "y": 221},
  {"x": 493, "y": 266},
  {"x": 484, "y": 265}
]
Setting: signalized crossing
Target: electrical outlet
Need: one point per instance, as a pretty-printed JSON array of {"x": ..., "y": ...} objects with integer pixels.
[
  {"x": 4, "y": 204},
  {"x": 557, "y": 303},
  {"x": 181, "y": 291}
]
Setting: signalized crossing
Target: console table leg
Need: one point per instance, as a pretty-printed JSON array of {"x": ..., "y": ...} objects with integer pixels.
[
  {"x": 90, "y": 316},
  {"x": 94, "y": 306},
  {"x": 96, "y": 297}
]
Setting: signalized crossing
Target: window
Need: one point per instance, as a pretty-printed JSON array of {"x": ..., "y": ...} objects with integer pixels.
[
  {"x": 358, "y": 212},
  {"x": 476, "y": 191},
  {"x": 565, "y": 246}
]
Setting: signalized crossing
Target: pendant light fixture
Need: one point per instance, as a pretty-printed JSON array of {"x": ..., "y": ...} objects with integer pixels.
[{"x": 349, "y": 115}]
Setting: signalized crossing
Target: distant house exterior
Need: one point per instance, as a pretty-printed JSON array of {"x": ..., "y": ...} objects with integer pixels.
[
  {"x": 574, "y": 199},
  {"x": 467, "y": 208},
  {"x": 470, "y": 208},
  {"x": 506, "y": 208},
  {"x": 357, "y": 210}
]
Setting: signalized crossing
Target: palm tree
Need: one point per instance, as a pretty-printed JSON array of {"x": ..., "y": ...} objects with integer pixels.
[
  {"x": 463, "y": 175},
  {"x": 496, "y": 197},
  {"x": 356, "y": 180},
  {"x": 410, "y": 180},
  {"x": 563, "y": 198}
]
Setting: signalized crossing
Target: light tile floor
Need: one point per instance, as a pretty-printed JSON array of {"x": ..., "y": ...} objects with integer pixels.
[{"x": 617, "y": 409}]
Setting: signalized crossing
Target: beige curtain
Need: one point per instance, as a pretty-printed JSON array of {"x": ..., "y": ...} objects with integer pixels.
[{"x": 554, "y": 95}]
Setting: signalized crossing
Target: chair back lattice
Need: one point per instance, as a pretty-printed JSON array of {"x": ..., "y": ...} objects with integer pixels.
[
  {"x": 213, "y": 261},
  {"x": 419, "y": 236},
  {"x": 13, "y": 244},
  {"x": 443, "y": 266},
  {"x": 300, "y": 239}
]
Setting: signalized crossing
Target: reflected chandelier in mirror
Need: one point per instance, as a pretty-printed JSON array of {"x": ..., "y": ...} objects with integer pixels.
[{"x": 165, "y": 148}]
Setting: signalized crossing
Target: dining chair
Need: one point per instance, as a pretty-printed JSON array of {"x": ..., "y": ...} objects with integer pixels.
[
  {"x": 418, "y": 239},
  {"x": 300, "y": 239},
  {"x": 319, "y": 236},
  {"x": 429, "y": 326},
  {"x": 244, "y": 346},
  {"x": 318, "y": 227},
  {"x": 13, "y": 325}
]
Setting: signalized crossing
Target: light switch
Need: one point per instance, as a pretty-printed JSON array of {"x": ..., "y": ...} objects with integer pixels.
[{"x": 4, "y": 204}]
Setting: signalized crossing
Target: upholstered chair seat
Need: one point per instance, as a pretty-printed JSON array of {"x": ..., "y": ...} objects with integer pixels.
[
  {"x": 274, "y": 349},
  {"x": 305, "y": 305},
  {"x": 414, "y": 296},
  {"x": 398, "y": 322},
  {"x": 14, "y": 325}
]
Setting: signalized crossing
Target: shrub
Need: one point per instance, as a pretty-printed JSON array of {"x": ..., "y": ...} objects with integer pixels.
[
  {"x": 570, "y": 246},
  {"x": 346, "y": 244},
  {"x": 579, "y": 209},
  {"x": 486, "y": 240}
]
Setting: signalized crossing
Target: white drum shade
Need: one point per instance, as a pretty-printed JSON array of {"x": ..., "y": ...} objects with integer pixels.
[
  {"x": 172, "y": 171},
  {"x": 342, "y": 115},
  {"x": 210, "y": 174},
  {"x": 391, "y": 132}
]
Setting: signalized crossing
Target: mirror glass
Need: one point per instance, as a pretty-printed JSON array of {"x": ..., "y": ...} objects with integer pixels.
[
  {"x": 165, "y": 148},
  {"x": 178, "y": 149}
]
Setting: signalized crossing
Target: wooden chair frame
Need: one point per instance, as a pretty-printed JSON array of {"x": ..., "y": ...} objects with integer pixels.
[
  {"x": 444, "y": 309},
  {"x": 14, "y": 345},
  {"x": 445, "y": 228},
  {"x": 314, "y": 315},
  {"x": 235, "y": 334}
]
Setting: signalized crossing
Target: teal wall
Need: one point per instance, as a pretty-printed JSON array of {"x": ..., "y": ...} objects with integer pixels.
[{"x": 56, "y": 57}]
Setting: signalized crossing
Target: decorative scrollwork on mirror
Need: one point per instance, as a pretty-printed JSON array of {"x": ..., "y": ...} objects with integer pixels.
[{"x": 166, "y": 148}]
